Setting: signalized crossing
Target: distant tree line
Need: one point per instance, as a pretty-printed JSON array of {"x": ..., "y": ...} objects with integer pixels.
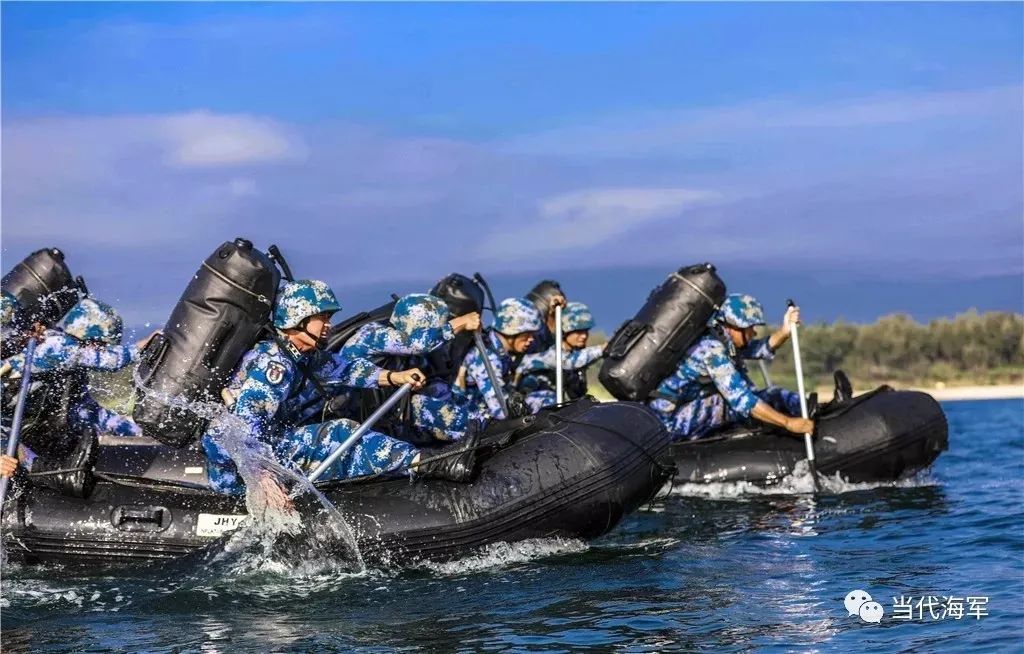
[{"x": 971, "y": 348}]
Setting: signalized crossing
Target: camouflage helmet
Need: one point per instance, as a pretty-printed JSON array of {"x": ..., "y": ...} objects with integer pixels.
[
  {"x": 301, "y": 299},
  {"x": 10, "y": 310},
  {"x": 417, "y": 312},
  {"x": 92, "y": 320},
  {"x": 516, "y": 316},
  {"x": 576, "y": 316},
  {"x": 741, "y": 311}
]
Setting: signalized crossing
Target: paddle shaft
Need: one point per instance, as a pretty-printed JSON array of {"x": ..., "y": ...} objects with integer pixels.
[
  {"x": 19, "y": 413},
  {"x": 558, "y": 354},
  {"x": 381, "y": 411},
  {"x": 808, "y": 442},
  {"x": 496, "y": 382},
  {"x": 764, "y": 373}
]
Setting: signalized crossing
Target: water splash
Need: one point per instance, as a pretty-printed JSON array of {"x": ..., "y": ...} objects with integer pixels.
[
  {"x": 261, "y": 471},
  {"x": 799, "y": 482},
  {"x": 502, "y": 554}
]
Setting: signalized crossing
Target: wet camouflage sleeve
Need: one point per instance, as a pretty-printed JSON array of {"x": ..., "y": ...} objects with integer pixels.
[
  {"x": 266, "y": 385},
  {"x": 60, "y": 352},
  {"x": 90, "y": 415},
  {"x": 478, "y": 383},
  {"x": 571, "y": 359},
  {"x": 728, "y": 379},
  {"x": 708, "y": 362},
  {"x": 758, "y": 349},
  {"x": 260, "y": 385}
]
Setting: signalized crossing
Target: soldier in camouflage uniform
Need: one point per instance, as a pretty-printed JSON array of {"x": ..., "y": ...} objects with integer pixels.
[
  {"x": 545, "y": 296},
  {"x": 711, "y": 389},
  {"x": 272, "y": 372},
  {"x": 515, "y": 326},
  {"x": 536, "y": 372},
  {"x": 89, "y": 340},
  {"x": 420, "y": 324}
]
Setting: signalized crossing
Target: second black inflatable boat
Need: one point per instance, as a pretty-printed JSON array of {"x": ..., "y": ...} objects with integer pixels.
[
  {"x": 884, "y": 435},
  {"x": 573, "y": 472}
]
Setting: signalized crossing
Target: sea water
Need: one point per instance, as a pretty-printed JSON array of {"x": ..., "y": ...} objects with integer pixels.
[{"x": 721, "y": 568}]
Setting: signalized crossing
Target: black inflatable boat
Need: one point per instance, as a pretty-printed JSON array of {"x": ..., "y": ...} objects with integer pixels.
[
  {"x": 574, "y": 472},
  {"x": 883, "y": 435}
]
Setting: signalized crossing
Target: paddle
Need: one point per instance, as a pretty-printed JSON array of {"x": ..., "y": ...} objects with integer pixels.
[
  {"x": 381, "y": 411},
  {"x": 496, "y": 382},
  {"x": 19, "y": 413},
  {"x": 558, "y": 354},
  {"x": 808, "y": 442},
  {"x": 764, "y": 373}
]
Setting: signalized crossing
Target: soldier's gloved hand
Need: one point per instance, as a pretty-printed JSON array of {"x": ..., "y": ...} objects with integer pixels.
[
  {"x": 469, "y": 322},
  {"x": 412, "y": 376},
  {"x": 8, "y": 464}
]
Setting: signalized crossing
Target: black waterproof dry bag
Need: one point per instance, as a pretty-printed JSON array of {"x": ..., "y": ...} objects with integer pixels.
[
  {"x": 648, "y": 348},
  {"x": 219, "y": 317},
  {"x": 43, "y": 286}
]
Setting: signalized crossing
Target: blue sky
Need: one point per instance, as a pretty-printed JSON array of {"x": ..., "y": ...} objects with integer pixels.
[{"x": 392, "y": 143}]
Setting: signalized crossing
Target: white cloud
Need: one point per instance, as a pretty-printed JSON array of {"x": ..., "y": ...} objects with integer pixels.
[
  {"x": 649, "y": 132},
  {"x": 589, "y": 217},
  {"x": 203, "y": 139}
]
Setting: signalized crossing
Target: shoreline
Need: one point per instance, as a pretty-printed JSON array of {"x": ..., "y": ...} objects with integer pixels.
[{"x": 954, "y": 393}]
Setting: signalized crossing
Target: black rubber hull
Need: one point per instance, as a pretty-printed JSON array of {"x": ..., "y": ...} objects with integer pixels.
[
  {"x": 571, "y": 473},
  {"x": 881, "y": 436}
]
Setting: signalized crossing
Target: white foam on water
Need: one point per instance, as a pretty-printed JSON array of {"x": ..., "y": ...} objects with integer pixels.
[
  {"x": 499, "y": 555},
  {"x": 799, "y": 482},
  {"x": 256, "y": 463}
]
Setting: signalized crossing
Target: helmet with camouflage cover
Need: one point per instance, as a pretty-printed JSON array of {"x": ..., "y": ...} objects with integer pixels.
[
  {"x": 10, "y": 311},
  {"x": 419, "y": 311},
  {"x": 741, "y": 311},
  {"x": 576, "y": 316},
  {"x": 301, "y": 299},
  {"x": 516, "y": 316},
  {"x": 92, "y": 320}
]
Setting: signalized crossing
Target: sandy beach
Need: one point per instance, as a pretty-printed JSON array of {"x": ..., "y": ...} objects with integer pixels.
[{"x": 955, "y": 393}]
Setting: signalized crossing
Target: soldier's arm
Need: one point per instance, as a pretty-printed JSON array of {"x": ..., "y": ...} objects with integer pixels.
[
  {"x": 728, "y": 380},
  {"x": 576, "y": 359},
  {"x": 263, "y": 392},
  {"x": 759, "y": 348},
  {"x": 353, "y": 371},
  {"x": 476, "y": 372},
  {"x": 105, "y": 357}
]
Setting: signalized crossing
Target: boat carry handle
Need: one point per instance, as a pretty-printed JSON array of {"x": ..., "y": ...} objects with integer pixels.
[{"x": 141, "y": 518}]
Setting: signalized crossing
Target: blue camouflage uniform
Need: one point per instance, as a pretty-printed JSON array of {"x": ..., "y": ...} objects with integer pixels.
[
  {"x": 514, "y": 316},
  {"x": 711, "y": 388},
  {"x": 90, "y": 339},
  {"x": 418, "y": 325},
  {"x": 263, "y": 383},
  {"x": 535, "y": 372}
]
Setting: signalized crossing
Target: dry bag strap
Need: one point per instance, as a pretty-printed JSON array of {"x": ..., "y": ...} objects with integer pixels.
[
  {"x": 38, "y": 278},
  {"x": 258, "y": 296},
  {"x": 696, "y": 288}
]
